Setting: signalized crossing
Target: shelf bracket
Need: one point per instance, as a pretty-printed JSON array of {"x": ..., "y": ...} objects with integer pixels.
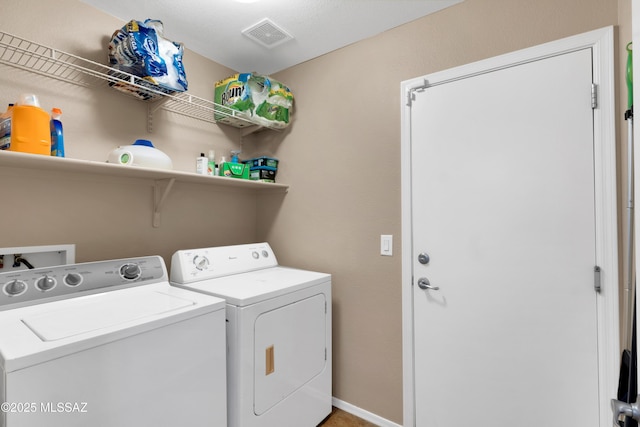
[
  {"x": 250, "y": 130},
  {"x": 151, "y": 110},
  {"x": 160, "y": 196}
]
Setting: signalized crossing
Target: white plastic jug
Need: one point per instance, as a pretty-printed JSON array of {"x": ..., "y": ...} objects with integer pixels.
[{"x": 142, "y": 153}]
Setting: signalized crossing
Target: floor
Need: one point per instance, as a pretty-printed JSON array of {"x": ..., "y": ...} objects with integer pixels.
[{"x": 340, "y": 418}]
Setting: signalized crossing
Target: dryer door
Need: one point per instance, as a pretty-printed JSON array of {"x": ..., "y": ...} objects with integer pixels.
[{"x": 289, "y": 350}]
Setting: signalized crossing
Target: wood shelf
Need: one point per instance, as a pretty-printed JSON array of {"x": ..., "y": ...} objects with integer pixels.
[{"x": 163, "y": 179}]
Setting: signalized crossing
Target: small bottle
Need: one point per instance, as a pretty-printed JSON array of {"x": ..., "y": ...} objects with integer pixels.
[
  {"x": 57, "y": 137},
  {"x": 201, "y": 164},
  {"x": 221, "y": 166},
  {"x": 5, "y": 128},
  {"x": 211, "y": 164}
]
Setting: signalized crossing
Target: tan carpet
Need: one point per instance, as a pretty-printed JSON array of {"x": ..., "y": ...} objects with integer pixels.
[{"x": 339, "y": 418}]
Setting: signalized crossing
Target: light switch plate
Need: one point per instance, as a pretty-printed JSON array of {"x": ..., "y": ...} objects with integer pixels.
[{"x": 386, "y": 244}]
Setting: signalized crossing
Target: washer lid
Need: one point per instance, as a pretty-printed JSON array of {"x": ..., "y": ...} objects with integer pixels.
[
  {"x": 38, "y": 333},
  {"x": 256, "y": 286},
  {"x": 101, "y": 313}
]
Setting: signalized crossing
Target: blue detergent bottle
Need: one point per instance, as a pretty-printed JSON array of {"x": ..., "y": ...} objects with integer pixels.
[{"x": 57, "y": 137}]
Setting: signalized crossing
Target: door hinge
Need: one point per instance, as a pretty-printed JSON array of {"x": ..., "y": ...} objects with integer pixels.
[
  {"x": 594, "y": 96},
  {"x": 412, "y": 90},
  {"x": 596, "y": 278}
]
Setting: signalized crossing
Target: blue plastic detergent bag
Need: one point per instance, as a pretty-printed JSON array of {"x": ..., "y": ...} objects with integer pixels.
[{"x": 140, "y": 48}]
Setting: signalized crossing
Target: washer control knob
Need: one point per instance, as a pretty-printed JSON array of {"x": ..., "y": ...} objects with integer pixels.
[
  {"x": 73, "y": 279},
  {"x": 201, "y": 262},
  {"x": 265, "y": 254},
  {"x": 45, "y": 283},
  {"x": 130, "y": 271},
  {"x": 255, "y": 255},
  {"x": 15, "y": 288}
]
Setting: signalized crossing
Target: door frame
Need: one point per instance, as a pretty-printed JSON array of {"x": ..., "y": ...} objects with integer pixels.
[
  {"x": 635, "y": 30},
  {"x": 602, "y": 45}
]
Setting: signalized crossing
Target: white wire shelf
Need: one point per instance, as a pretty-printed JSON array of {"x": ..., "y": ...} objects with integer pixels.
[{"x": 43, "y": 60}]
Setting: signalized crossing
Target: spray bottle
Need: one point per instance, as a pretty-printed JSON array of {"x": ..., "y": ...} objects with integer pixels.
[
  {"x": 57, "y": 137},
  {"x": 234, "y": 156},
  {"x": 5, "y": 128}
]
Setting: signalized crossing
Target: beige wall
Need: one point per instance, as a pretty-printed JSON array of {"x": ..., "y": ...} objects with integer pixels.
[
  {"x": 346, "y": 180},
  {"x": 108, "y": 217},
  {"x": 341, "y": 158}
]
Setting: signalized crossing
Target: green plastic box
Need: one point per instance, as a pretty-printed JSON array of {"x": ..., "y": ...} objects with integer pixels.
[{"x": 235, "y": 170}]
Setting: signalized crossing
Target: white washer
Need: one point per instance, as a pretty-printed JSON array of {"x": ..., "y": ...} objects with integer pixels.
[
  {"x": 107, "y": 344},
  {"x": 278, "y": 332}
]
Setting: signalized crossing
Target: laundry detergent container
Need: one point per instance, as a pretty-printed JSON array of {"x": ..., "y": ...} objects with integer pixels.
[
  {"x": 30, "y": 127},
  {"x": 142, "y": 154},
  {"x": 259, "y": 99},
  {"x": 140, "y": 48}
]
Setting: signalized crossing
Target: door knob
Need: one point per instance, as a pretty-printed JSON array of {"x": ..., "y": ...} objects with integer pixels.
[
  {"x": 619, "y": 408},
  {"x": 423, "y": 283},
  {"x": 423, "y": 258}
]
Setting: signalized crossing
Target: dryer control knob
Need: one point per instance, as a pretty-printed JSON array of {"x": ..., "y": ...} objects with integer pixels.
[
  {"x": 45, "y": 283},
  {"x": 201, "y": 262},
  {"x": 15, "y": 288},
  {"x": 130, "y": 271}
]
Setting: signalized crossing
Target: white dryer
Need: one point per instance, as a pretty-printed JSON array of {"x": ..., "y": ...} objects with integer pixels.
[
  {"x": 108, "y": 344},
  {"x": 278, "y": 332}
]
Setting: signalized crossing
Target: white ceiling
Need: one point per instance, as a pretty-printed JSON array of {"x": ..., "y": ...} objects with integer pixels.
[{"x": 213, "y": 28}]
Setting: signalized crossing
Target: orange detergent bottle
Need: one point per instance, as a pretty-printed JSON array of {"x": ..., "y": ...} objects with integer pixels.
[{"x": 30, "y": 127}]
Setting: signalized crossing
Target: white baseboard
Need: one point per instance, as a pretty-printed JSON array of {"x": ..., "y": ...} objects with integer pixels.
[{"x": 361, "y": 413}]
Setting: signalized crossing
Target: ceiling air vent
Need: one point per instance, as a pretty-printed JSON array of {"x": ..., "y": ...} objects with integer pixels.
[{"x": 267, "y": 33}]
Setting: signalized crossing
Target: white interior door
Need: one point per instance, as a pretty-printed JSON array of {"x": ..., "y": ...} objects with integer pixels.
[{"x": 503, "y": 201}]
